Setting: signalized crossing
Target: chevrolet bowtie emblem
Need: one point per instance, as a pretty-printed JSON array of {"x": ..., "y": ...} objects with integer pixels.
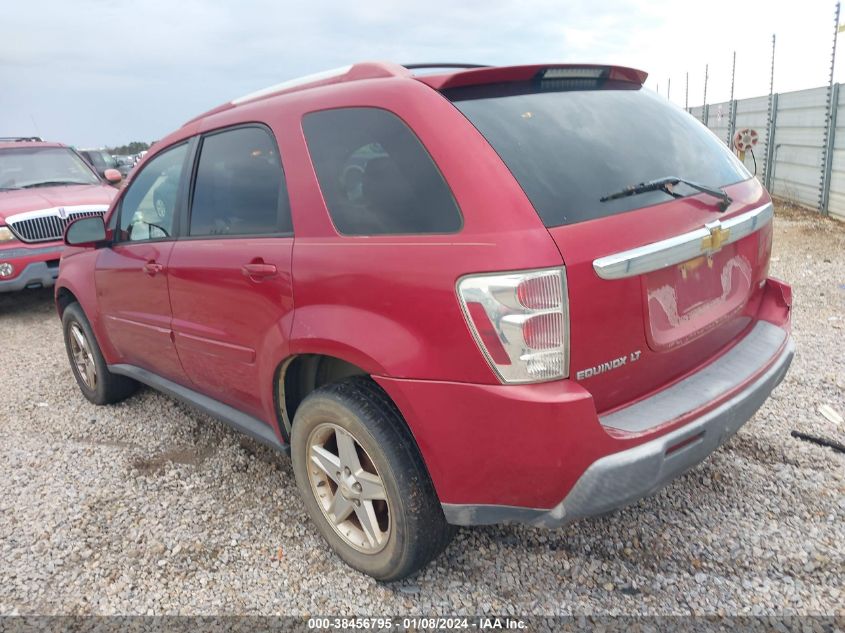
[{"x": 718, "y": 237}]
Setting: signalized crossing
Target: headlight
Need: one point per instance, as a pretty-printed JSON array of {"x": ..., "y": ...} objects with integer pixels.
[{"x": 6, "y": 234}]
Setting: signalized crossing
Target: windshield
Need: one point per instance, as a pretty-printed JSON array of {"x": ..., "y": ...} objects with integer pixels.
[
  {"x": 33, "y": 166},
  {"x": 569, "y": 148}
]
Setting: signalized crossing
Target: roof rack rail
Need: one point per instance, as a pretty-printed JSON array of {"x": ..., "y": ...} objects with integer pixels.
[
  {"x": 444, "y": 65},
  {"x": 21, "y": 139}
]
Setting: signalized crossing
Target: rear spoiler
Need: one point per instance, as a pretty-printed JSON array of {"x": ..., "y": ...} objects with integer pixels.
[{"x": 535, "y": 72}]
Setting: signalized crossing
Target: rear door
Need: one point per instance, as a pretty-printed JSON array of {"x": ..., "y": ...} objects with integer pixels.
[
  {"x": 230, "y": 284},
  {"x": 658, "y": 282},
  {"x": 132, "y": 274}
]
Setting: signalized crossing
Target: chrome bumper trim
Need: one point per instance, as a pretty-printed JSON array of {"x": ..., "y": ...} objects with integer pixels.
[{"x": 680, "y": 248}]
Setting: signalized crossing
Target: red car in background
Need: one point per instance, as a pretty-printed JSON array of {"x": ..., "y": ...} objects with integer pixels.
[
  {"x": 43, "y": 187},
  {"x": 531, "y": 293}
]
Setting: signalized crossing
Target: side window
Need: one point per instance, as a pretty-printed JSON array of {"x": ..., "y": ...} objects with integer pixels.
[
  {"x": 147, "y": 210},
  {"x": 240, "y": 185},
  {"x": 376, "y": 176}
]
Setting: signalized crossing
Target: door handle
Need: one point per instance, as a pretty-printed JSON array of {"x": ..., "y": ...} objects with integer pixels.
[
  {"x": 152, "y": 267},
  {"x": 259, "y": 270}
]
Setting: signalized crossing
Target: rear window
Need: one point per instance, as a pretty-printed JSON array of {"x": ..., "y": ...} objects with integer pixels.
[
  {"x": 376, "y": 176},
  {"x": 568, "y": 148}
]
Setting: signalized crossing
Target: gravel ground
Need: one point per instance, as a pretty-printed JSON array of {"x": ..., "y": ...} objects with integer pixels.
[{"x": 151, "y": 508}]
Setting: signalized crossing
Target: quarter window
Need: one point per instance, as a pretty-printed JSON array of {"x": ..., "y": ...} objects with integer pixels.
[
  {"x": 376, "y": 176},
  {"x": 240, "y": 186},
  {"x": 147, "y": 210}
]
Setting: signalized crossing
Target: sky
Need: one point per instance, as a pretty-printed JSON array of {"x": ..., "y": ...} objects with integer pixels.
[{"x": 105, "y": 72}]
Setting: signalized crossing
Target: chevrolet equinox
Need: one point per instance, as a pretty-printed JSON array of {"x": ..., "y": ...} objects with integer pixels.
[{"x": 470, "y": 296}]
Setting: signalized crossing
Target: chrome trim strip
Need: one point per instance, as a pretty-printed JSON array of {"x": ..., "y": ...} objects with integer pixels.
[{"x": 680, "y": 248}]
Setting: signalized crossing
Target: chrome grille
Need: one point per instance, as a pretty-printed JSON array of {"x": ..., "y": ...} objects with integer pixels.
[{"x": 46, "y": 228}]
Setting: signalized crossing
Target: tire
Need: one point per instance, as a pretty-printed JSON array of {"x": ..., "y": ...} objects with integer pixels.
[
  {"x": 107, "y": 387},
  {"x": 415, "y": 530}
]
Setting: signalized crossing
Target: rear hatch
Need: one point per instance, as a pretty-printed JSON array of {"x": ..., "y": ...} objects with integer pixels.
[{"x": 659, "y": 282}]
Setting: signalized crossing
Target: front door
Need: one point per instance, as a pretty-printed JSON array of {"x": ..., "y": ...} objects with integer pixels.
[
  {"x": 132, "y": 275},
  {"x": 230, "y": 275}
]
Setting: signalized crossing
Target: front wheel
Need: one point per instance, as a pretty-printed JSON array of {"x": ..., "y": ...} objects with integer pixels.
[
  {"x": 89, "y": 367},
  {"x": 364, "y": 482}
]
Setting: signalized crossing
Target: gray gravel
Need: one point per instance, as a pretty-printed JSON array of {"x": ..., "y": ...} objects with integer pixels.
[{"x": 151, "y": 508}]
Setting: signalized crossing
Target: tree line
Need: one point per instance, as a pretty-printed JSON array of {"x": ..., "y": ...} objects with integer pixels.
[{"x": 131, "y": 148}]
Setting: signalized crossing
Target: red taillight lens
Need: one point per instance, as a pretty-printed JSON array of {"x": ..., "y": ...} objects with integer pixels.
[
  {"x": 487, "y": 333},
  {"x": 544, "y": 331},
  {"x": 520, "y": 322},
  {"x": 539, "y": 293}
]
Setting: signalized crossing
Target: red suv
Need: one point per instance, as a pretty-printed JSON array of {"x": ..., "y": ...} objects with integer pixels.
[
  {"x": 486, "y": 295},
  {"x": 43, "y": 187}
]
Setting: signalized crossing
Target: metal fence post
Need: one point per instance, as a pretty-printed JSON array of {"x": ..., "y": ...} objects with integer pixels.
[
  {"x": 732, "y": 113},
  {"x": 828, "y": 151},
  {"x": 769, "y": 168},
  {"x": 769, "y": 120},
  {"x": 732, "y": 123},
  {"x": 829, "y": 123}
]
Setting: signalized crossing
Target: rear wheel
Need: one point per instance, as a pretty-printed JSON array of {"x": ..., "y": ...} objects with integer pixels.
[
  {"x": 364, "y": 482},
  {"x": 89, "y": 368}
]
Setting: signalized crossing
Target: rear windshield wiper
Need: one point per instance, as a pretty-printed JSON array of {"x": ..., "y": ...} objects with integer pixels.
[
  {"x": 53, "y": 183},
  {"x": 665, "y": 184}
]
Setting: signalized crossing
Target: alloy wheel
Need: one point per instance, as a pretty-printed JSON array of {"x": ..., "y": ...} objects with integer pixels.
[
  {"x": 348, "y": 488},
  {"x": 83, "y": 358}
]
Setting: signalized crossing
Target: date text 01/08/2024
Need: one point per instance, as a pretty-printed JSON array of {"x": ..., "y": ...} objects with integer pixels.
[{"x": 418, "y": 623}]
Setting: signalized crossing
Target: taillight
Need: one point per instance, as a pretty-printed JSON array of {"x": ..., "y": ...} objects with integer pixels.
[
  {"x": 520, "y": 322},
  {"x": 764, "y": 250}
]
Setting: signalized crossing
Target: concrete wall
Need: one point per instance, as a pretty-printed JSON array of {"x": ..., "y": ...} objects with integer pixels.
[{"x": 798, "y": 144}]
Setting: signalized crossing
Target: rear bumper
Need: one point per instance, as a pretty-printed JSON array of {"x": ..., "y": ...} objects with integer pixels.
[{"x": 623, "y": 477}]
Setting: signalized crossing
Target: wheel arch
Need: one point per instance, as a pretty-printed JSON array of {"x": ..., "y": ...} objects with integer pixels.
[
  {"x": 64, "y": 297},
  {"x": 300, "y": 374}
]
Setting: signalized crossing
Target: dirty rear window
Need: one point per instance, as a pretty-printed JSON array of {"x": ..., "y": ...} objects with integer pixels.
[
  {"x": 376, "y": 176},
  {"x": 569, "y": 147}
]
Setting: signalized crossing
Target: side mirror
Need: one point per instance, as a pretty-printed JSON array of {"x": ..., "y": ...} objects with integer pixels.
[
  {"x": 112, "y": 175},
  {"x": 86, "y": 232}
]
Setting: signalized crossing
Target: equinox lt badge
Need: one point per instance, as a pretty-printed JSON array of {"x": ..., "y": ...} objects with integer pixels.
[{"x": 616, "y": 363}]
